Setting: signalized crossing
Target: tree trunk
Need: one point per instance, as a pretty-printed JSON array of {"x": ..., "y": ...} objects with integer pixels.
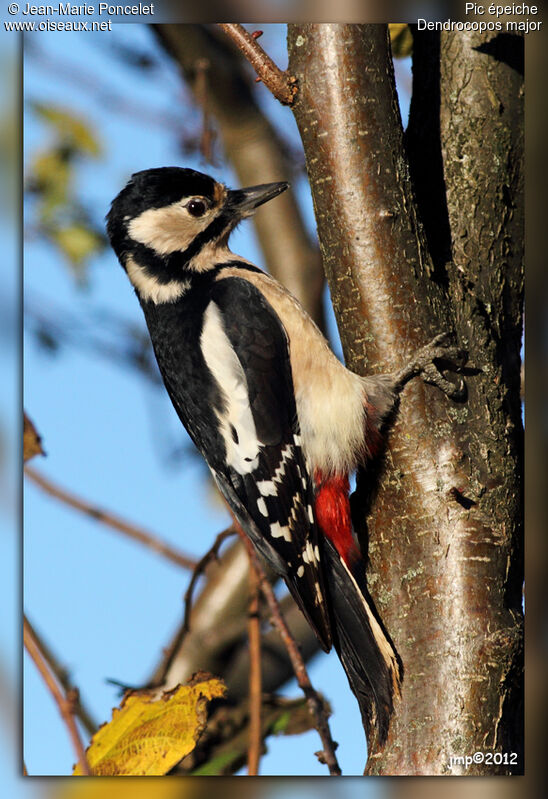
[{"x": 445, "y": 527}]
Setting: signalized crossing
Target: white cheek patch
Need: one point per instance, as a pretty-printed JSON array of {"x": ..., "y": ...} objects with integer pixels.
[
  {"x": 242, "y": 449},
  {"x": 169, "y": 229},
  {"x": 151, "y": 289}
]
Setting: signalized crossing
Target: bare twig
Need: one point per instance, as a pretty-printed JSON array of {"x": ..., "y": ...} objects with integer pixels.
[
  {"x": 111, "y": 520},
  {"x": 63, "y": 677},
  {"x": 63, "y": 701},
  {"x": 255, "y": 679},
  {"x": 279, "y": 82},
  {"x": 199, "y": 570},
  {"x": 315, "y": 703}
]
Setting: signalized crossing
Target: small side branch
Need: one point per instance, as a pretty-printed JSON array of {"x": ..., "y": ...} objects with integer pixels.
[
  {"x": 63, "y": 701},
  {"x": 199, "y": 569},
  {"x": 314, "y": 701},
  {"x": 110, "y": 520},
  {"x": 255, "y": 677},
  {"x": 62, "y": 676},
  {"x": 279, "y": 82}
]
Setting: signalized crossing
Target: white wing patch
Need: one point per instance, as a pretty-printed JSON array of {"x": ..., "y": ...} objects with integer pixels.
[{"x": 236, "y": 421}]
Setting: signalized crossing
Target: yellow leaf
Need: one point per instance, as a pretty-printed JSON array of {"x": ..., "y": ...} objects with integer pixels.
[
  {"x": 69, "y": 127},
  {"x": 50, "y": 176},
  {"x": 148, "y": 736},
  {"x": 77, "y": 242}
]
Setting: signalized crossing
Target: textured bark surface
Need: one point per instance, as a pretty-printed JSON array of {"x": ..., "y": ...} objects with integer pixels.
[{"x": 445, "y": 527}]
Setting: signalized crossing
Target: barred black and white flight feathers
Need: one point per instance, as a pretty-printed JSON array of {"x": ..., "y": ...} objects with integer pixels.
[
  {"x": 269, "y": 489},
  {"x": 256, "y": 456},
  {"x": 266, "y": 481}
]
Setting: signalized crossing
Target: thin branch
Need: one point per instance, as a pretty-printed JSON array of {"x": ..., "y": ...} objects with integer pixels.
[
  {"x": 279, "y": 82},
  {"x": 315, "y": 703},
  {"x": 64, "y": 702},
  {"x": 198, "y": 571},
  {"x": 63, "y": 677},
  {"x": 111, "y": 520},
  {"x": 255, "y": 677}
]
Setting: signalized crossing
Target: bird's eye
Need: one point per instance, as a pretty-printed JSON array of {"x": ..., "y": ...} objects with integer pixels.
[{"x": 196, "y": 207}]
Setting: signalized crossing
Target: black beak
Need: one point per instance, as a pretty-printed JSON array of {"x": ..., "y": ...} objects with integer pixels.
[{"x": 244, "y": 201}]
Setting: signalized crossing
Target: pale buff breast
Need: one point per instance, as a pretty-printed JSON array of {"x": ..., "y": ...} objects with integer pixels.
[{"x": 330, "y": 399}]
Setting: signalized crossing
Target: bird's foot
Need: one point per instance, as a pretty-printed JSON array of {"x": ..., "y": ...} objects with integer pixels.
[{"x": 440, "y": 353}]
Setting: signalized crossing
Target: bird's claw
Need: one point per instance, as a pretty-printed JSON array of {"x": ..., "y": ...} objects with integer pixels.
[
  {"x": 455, "y": 391},
  {"x": 428, "y": 361}
]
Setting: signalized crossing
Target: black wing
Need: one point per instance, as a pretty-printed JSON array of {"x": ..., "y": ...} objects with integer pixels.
[{"x": 267, "y": 486}]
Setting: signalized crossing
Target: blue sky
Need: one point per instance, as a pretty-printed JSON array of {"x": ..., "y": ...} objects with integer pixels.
[{"x": 104, "y": 604}]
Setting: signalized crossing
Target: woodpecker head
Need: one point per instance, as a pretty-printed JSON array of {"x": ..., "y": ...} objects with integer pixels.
[{"x": 169, "y": 221}]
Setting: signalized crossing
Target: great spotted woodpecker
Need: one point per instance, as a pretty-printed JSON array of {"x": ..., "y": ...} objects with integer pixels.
[{"x": 279, "y": 420}]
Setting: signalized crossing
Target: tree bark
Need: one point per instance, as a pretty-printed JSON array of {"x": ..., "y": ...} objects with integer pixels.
[
  {"x": 482, "y": 141},
  {"x": 445, "y": 525}
]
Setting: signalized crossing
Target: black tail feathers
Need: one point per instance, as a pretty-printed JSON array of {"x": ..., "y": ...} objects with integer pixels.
[{"x": 371, "y": 663}]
